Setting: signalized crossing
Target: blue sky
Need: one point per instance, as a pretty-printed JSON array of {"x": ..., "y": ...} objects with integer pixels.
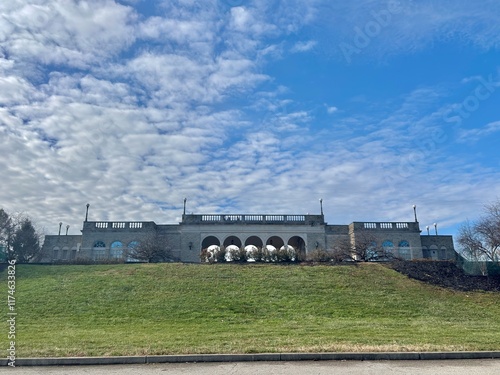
[{"x": 249, "y": 107}]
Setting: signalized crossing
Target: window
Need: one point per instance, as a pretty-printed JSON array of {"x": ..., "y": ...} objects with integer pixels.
[
  {"x": 99, "y": 250},
  {"x": 387, "y": 245},
  {"x": 442, "y": 253},
  {"x": 116, "y": 251},
  {"x": 388, "y": 248},
  {"x": 132, "y": 245},
  {"x": 404, "y": 250}
]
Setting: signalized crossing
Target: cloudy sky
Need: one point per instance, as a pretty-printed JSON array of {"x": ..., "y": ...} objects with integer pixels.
[{"x": 259, "y": 106}]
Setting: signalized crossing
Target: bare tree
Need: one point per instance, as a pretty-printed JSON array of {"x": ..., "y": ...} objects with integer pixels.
[
  {"x": 365, "y": 248},
  {"x": 152, "y": 249},
  {"x": 341, "y": 251},
  {"x": 480, "y": 240}
]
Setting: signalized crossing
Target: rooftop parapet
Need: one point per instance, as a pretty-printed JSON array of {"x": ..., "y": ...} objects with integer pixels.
[
  {"x": 267, "y": 219},
  {"x": 118, "y": 225},
  {"x": 388, "y": 226}
]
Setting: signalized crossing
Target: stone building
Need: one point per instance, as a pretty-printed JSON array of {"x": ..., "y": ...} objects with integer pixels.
[{"x": 110, "y": 240}]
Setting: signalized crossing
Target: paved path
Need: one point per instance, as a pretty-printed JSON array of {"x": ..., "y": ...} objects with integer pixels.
[{"x": 447, "y": 367}]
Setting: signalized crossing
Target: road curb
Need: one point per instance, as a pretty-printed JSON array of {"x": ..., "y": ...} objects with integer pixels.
[{"x": 271, "y": 357}]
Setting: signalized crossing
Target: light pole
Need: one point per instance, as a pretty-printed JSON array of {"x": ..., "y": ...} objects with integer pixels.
[
  {"x": 60, "y": 225},
  {"x": 321, "y": 205},
  {"x": 415, "y": 213},
  {"x": 184, "y": 212},
  {"x": 67, "y": 228},
  {"x": 436, "y": 228},
  {"x": 427, "y": 227},
  {"x": 87, "y": 212}
]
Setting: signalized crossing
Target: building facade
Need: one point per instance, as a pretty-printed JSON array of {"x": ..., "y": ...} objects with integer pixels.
[{"x": 111, "y": 240}]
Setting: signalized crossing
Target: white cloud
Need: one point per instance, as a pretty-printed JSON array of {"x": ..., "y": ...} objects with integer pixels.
[
  {"x": 473, "y": 135},
  {"x": 376, "y": 30},
  {"x": 65, "y": 32},
  {"x": 132, "y": 112},
  {"x": 331, "y": 109},
  {"x": 303, "y": 46}
]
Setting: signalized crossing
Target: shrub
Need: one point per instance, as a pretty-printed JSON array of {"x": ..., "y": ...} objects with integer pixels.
[{"x": 238, "y": 255}]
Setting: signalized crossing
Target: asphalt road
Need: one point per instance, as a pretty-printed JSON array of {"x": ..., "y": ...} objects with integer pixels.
[{"x": 448, "y": 367}]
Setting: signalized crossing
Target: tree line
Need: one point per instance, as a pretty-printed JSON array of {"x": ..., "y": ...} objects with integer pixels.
[
  {"x": 479, "y": 240},
  {"x": 19, "y": 239}
]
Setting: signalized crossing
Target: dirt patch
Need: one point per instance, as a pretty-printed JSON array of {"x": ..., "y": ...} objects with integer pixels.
[{"x": 446, "y": 274}]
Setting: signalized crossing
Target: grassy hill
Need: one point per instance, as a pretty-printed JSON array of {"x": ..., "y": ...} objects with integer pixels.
[{"x": 138, "y": 309}]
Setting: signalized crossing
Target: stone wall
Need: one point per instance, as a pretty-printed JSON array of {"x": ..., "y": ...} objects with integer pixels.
[
  {"x": 186, "y": 239},
  {"x": 438, "y": 247}
]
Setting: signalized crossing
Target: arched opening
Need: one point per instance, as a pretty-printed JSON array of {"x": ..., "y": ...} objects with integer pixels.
[
  {"x": 255, "y": 241},
  {"x": 210, "y": 246},
  {"x": 232, "y": 253},
  {"x": 287, "y": 253},
  {"x": 209, "y": 241},
  {"x": 251, "y": 253},
  {"x": 232, "y": 240},
  {"x": 299, "y": 245},
  {"x": 275, "y": 241}
]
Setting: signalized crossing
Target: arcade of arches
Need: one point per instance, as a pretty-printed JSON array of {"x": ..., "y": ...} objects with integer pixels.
[{"x": 277, "y": 242}]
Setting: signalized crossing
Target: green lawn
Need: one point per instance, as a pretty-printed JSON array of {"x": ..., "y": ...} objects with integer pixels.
[{"x": 148, "y": 309}]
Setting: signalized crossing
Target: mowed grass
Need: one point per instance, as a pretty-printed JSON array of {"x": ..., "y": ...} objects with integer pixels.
[{"x": 150, "y": 309}]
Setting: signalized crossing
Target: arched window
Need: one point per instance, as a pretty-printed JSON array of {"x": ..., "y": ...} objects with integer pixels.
[
  {"x": 116, "y": 251},
  {"x": 388, "y": 244},
  {"x": 131, "y": 246},
  {"x": 404, "y": 250},
  {"x": 99, "y": 250},
  {"x": 388, "y": 248}
]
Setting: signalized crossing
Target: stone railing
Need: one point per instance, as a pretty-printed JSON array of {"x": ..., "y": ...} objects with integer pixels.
[
  {"x": 387, "y": 225},
  {"x": 252, "y": 219},
  {"x": 117, "y": 225}
]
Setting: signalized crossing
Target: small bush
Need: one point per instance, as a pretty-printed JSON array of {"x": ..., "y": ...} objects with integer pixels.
[
  {"x": 220, "y": 255},
  {"x": 238, "y": 255},
  {"x": 259, "y": 255}
]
